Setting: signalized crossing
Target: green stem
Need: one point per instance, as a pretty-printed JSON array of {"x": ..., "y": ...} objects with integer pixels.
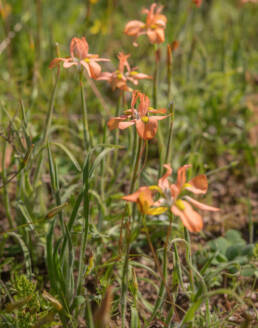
[
  {"x": 170, "y": 135},
  {"x": 189, "y": 258},
  {"x": 86, "y": 208},
  {"x": 5, "y": 190},
  {"x": 124, "y": 291},
  {"x": 47, "y": 127},
  {"x": 136, "y": 165},
  {"x": 86, "y": 135}
]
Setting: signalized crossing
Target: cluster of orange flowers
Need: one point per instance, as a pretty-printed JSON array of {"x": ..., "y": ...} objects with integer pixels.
[{"x": 171, "y": 196}]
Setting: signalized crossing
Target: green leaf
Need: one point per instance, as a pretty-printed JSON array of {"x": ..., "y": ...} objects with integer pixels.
[{"x": 69, "y": 154}]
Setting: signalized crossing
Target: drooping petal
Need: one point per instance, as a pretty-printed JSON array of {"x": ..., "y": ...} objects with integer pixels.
[
  {"x": 95, "y": 69},
  {"x": 163, "y": 181},
  {"x": 181, "y": 176},
  {"x": 160, "y": 20},
  {"x": 190, "y": 218},
  {"x": 157, "y": 111},
  {"x": 135, "y": 96},
  {"x": 56, "y": 61},
  {"x": 145, "y": 194},
  {"x": 79, "y": 48},
  {"x": 68, "y": 64},
  {"x": 144, "y": 104},
  {"x": 101, "y": 59},
  {"x": 174, "y": 191},
  {"x": 133, "y": 28},
  {"x": 198, "y": 185},
  {"x": 125, "y": 125},
  {"x": 152, "y": 35},
  {"x": 158, "y": 117},
  {"x": 114, "y": 121},
  {"x": 147, "y": 130},
  {"x": 160, "y": 35},
  {"x": 139, "y": 76},
  {"x": 202, "y": 206},
  {"x": 86, "y": 66},
  {"x": 123, "y": 62},
  {"x": 105, "y": 76}
]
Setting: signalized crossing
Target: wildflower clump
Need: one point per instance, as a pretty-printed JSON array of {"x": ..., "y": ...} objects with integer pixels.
[
  {"x": 146, "y": 125},
  {"x": 119, "y": 78},
  {"x": 174, "y": 197},
  {"x": 80, "y": 57},
  {"x": 154, "y": 26}
]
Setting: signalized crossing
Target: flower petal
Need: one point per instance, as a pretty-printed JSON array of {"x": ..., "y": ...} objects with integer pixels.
[
  {"x": 79, "y": 48},
  {"x": 198, "y": 185},
  {"x": 147, "y": 130},
  {"x": 133, "y": 27},
  {"x": 163, "y": 181},
  {"x": 202, "y": 206},
  {"x": 158, "y": 111},
  {"x": 160, "y": 35},
  {"x": 125, "y": 125},
  {"x": 114, "y": 121},
  {"x": 190, "y": 218},
  {"x": 181, "y": 176},
  {"x": 68, "y": 64},
  {"x": 152, "y": 35},
  {"x": 56, "y": 61},
  {"x": 95, "y": 69}
]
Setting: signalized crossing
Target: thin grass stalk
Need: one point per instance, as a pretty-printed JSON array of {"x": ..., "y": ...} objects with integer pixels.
[
  {"x": 251, "y": 222},
  {"x": 6, "y": 199},
  {"x": 124, "y": 289},
  {"x": 86, "y": 205},
  {"x": 86, "y": 136},
  {"x": 170, "y": 134},
  {"x": 169, "y": 71},
  {"x": 47, "y": 126},
  {"x": 136, "y": 163},
  {"x": 189, "y": 258},
  {"x": 161, "y": 295},
  {"x": 155, "y": 104},
  {"x": 155, "y": 257},
  {"x": 117, "y": 131}
]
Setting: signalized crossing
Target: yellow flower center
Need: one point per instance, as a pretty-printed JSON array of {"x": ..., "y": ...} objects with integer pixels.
[
  {"x": 180, "y": 204},
  {"x": 186, "y": 185},
  {"x": 119, "y": 76},
  {"x": 145, "y": 119},
  {"x": 86, "y": 60},
  {"x": 133, "y": 73}
]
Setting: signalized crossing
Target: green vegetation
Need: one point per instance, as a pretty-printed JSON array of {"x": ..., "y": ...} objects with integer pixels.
[{"x": 73, "y": 253}]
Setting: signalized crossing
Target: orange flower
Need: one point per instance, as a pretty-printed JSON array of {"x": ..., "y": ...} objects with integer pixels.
[
  {"x": 143, "y": 198},
  {"x": 119, "y": 78},
  {"x": 81, "y": 57},
  {"x": 173, "y": 196},
  {"x": 198, "y": 3},
  {"x": 153, "y": 27},
  {"x": 180, "y": 204},
  {"x": 146, "y": 125}
]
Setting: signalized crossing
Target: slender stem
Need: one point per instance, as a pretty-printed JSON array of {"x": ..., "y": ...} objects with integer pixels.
[
  {"x": 86, "y": 210},
  {"x": 189, "y": 258},
  {"x": 156, "y": 260},
  {"x": 47, "y": 126},
  {"x": 136, "y": 165},
  {"x": 170, "y": 135},
  {"x": 124, "y": 291},
  {"x": 86, "y": 135},
  {"x": 5, "y": 189},
  {"x": 155, "y": 77}
]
